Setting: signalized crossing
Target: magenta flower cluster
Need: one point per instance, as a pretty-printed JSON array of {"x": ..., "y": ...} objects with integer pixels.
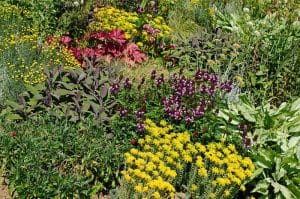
[{"x": 191, "y": 98}]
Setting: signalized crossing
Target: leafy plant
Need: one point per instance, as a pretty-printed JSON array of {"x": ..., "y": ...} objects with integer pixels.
[
  {"x": 274, "y": 137},
  {"x": 46, "y": 157},
  {"x": 74, "y": 94},
  {"x": 189, "y": 101}
]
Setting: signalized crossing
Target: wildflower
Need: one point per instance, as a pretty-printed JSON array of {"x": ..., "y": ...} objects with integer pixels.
[
  {"x": 242, "y": 188},
  {"x": 226, "y": 193},
  {"x": 194, "y": 187},
  {"x": 156, "y": 195},
  {"x": 211, "y": 195},
  {"x": 172, "y": 46},
  {"x": 202, "y": 172},
  {"x": 13, "y": 134}
]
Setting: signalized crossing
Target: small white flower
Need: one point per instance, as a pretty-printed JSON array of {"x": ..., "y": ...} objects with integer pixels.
[
  {"x": 257, "y": 33},
  {"x": 246, "y": 10},
  {"x": 235, "y": 29},
  {"x": 76, "y": 3},
  {"x": 250, "y": 24},
  {"x": 296, "y": 25}
]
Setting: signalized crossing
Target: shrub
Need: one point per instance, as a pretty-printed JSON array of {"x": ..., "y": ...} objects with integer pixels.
[{"x": 72, "y": 94}]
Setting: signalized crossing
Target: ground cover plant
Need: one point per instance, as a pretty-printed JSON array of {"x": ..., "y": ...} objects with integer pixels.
[{"x": 149, "y": 99}]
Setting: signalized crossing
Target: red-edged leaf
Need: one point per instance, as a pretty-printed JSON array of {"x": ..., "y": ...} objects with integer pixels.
[{"x": 118, "y": 36}]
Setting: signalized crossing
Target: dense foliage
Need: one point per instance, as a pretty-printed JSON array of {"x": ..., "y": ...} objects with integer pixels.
[{"x": 150, "y": 99}]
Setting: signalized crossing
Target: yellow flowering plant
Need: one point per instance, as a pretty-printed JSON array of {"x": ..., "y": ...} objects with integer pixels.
[
  {"x": 149, "y": 32},
  {"x": 166, "y": 160},
  {"x": 27, "y": 56}
]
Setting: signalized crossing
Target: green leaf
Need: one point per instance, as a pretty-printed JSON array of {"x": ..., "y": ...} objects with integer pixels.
[
  {"x": 261, "y": 187},
  {"x": 295, "y": 105},
  {"x": 13, "y": 104},
  {"x": 268, "y": 121},
  {"x": 265, "y": 158},
  {"x": 294, "y": 189},
  {"x": 32, "y": 89},
  {"x": 293, "y": 141},
  {"x": 86, "y": 106},
  {"x": 61, "y": 92},
  {"x": 12, "y": 116}
]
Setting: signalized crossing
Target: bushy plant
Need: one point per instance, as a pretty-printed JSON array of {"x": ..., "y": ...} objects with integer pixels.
[
  {"x": 165, "y": 161},
  {"x": 44, "y": 157},
  {"x": 67, "y": 93},
  {"x": 150, "y": 33},
  {"x": 190, "y": 102},
  {"x": 269, "y": 62},
  {"x": 272, "y": 135},
  {"x": 103, "y": 45}
]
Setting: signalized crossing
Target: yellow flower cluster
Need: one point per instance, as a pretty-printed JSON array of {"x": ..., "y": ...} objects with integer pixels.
[
  {"x": 9, "y": 10},
  {"x": 163, "y": 155},
  {"x": 27, "y": 57},
  {"x": 109, "y": 18},
  {"x": 228, "y": 168},
  {"x": 158, "y": 24}
]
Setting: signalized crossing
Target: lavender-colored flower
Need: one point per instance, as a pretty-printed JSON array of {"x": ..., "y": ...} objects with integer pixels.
[
  {"x": 172, "y": 46},
  {"x": 199, "y": 75},
  {"x": 141, "y": 9},
  {"x": 163, "y": 46},
  {"x": 114, "y": 88},
  {"x": 123, "y": 111},
  {"x": 160, "y": 80},
  {"x": 142, "y": 81},
  {"x": 189, "y": 119},
  {"x": 141, "y": 127},
  {"x": 139, "y": 114},
  {"x": 127, "y": 83},
  {"x": 213, "y": 78},
  {"x": 153, "y": 74},
  {"x": 206, "y": 76},
  {"x": 203, "y": 89}
]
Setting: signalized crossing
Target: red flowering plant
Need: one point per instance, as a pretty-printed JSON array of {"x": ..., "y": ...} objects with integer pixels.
[{"x": 109, "y": 45}]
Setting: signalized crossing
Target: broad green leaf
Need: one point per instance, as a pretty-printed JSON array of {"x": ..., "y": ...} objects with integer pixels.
[
  {"x": 261, "y": 187},
  {"x": 86, "y": 106},
  {"x": 295, "y": 105},
  {"x": 32, "y": 89},
  {"x": 268, "y": 121},
  {"x": 265, "y": 158},
  {"x": 293, "y": 141},
  {"x": 61, "y": 92}
]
